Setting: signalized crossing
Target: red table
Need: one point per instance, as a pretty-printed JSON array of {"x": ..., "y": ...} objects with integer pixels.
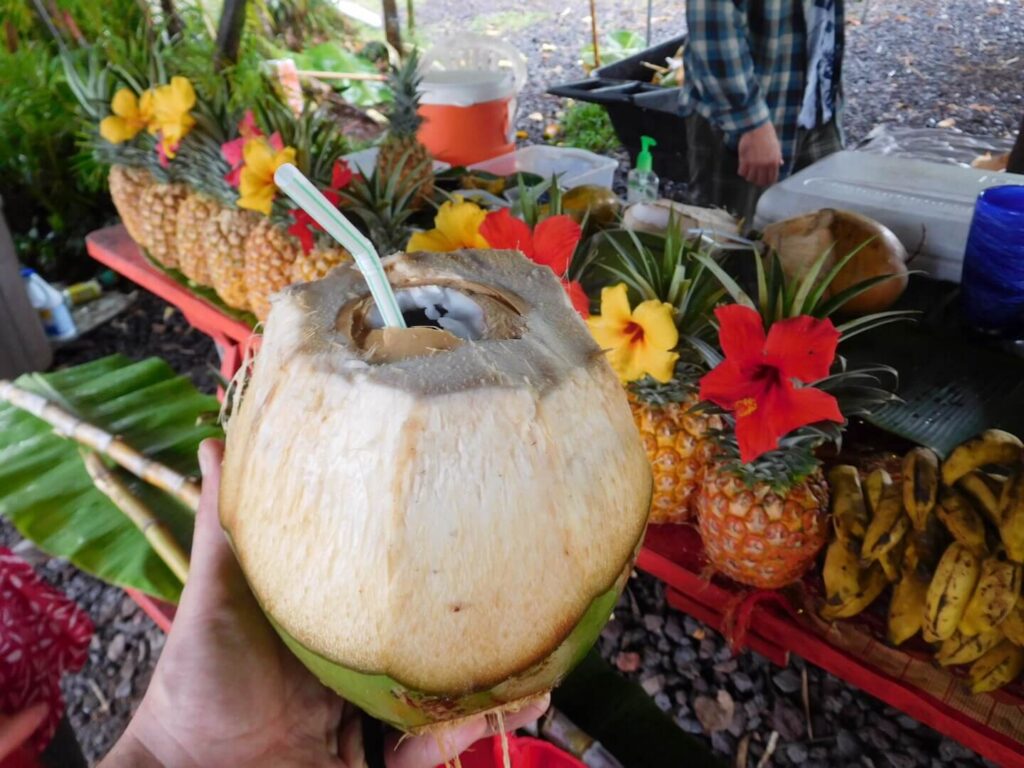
[
  {"x": 993, "y": 726},
  {"x": 114, "y": 248}
]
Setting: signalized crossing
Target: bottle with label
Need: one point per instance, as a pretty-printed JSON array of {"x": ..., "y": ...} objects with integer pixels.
[
  {"x": 642, "y": 182},
  {"x": 49, "y": 303}
]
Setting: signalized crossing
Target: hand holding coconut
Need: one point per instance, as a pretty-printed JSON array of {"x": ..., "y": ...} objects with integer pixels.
[{"x": 227, "y": 692}]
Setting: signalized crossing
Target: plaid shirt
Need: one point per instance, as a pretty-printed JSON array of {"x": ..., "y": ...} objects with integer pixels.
[{"x": 746, "y": 64}]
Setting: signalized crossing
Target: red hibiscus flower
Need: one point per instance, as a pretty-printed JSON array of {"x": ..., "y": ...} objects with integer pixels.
[
  {"x": 232, "y": 151},
  {"x": 551, "y": 243},
  {"x": 756, "y": 381}
]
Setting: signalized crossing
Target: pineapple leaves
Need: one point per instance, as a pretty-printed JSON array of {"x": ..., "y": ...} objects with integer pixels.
[{"x": 728, "y": 283}]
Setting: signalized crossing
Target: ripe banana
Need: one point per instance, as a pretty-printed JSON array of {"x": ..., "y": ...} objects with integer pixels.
[
  {"x": 984, "y": 490},
  {"x": 962, "y": 522},
  {"x": 906, "y": 607},
  {"x": 955, "y": 578},
  {"x": 1011, "y": 516},
  {"x": 961, "y": 649},
  {"x": 993, "y": 446},
  {"x": 892, "y": 559},
  {"x": 872, "y": 584},
  {"x": 849, "y": 513},
  {"x": 842, "y": 570},
  {"x": 1013, "y": 625},
  {"x": 874, "y": 484},
  {"x": 888, "y": 525},
  {"x": 994, "y": 597},
  {"x": 926, "y": 547},
  {"x": 920, "y": 484},
  {"x": 1002, "y": 665}
]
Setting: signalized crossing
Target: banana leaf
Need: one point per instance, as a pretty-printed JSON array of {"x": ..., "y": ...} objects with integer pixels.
[
  {"x": 46, "y": 493},
  {"x": 953, "y": 383}
]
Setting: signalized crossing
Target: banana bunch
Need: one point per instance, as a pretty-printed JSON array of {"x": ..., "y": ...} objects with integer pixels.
[{"x": 949, "y": 537}]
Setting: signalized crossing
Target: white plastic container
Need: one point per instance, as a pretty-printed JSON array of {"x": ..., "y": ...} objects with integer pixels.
[
  {"x": 49, "y": 303},
  {"x": 574, "y": 167},
  {"x": 927, "y": 205}
]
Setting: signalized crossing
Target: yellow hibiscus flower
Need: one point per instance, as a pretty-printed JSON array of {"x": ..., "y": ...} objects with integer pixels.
[
  {"x": 638, "y": 341},
  {"x": 256, "y": 186},
  {"x": 457, "y": 225},
  {"x": 131, "y": 115},
  {"x": 172, "y": 113}
]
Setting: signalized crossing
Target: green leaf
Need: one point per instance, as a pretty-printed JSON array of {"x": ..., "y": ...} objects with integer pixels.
[
  {"x": 731, "y": 286},
  {"x": 48, "y": 496}
]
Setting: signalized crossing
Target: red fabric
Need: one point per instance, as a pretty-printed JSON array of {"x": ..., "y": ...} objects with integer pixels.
[
  {"x": 739, "y": 614},
  {"x": 42, "y": 635},
  {"x": 756, "y": 379}
]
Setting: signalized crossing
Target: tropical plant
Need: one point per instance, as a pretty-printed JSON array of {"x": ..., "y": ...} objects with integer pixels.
[
  {"x": 47, "y": 494},
  {"x": 587, "y": 126}
]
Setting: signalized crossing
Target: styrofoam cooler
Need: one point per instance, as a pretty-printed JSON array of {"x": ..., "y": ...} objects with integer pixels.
[{"x": 927, "y": 205}]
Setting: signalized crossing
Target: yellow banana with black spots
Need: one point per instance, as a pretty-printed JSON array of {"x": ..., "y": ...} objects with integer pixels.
[
  {"x": 949, "y": 592},
  {"x": 993, "y": 446},
  {"x": 994, "y": 597},
  {"x": 842, "y": 570},
  {"x": 906, "y": 607},
  {"x": 962, "y": 521},
  {"x": 874, "y": 485},
  {"x": 1011, "y": 516},
  {"x": 985, "y": 491},
  {"x": 920, "y": 484},
  {"x": 1001, "y": 665},
  {"x": 888, "y": 525},
  {"x": 1013, "y": 625},
  {"x": 872, "y": 584},
  {"x": 961, "y": 649},
  {"x": 849, "y": 512}
]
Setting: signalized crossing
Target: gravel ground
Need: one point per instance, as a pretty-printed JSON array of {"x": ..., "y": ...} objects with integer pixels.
[{"x": 910, "y": 62}]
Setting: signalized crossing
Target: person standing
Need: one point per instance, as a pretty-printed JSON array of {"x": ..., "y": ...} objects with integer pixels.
[{"x": 762, "y": 96}]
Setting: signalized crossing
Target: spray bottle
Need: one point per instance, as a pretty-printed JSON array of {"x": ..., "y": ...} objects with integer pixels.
[{"x": 642, "y": 182}]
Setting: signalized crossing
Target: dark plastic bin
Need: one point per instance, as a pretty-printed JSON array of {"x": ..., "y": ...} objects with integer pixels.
[{"x": 638, "y": 108}]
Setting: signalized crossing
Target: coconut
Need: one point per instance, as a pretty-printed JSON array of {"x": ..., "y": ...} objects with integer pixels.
[
  {"x": 437, "y": 520},
  {"x": 800, "y": 241},
  {"x": 655, "y": 218}
]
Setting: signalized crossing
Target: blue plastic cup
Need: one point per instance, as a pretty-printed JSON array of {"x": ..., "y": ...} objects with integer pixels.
[{"x": 993, "y": 278}]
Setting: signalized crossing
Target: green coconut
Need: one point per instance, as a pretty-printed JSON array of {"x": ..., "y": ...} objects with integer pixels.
[{"x": 437, "y": 520}]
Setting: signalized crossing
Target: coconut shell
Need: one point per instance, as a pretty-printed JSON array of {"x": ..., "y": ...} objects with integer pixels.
[
  {"x": 655, "y": 217},
  {"x": 435, "y": 525},
  {"x": 801, "y": 240}
]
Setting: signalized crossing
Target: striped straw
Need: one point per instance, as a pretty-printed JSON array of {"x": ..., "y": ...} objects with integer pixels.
[{"x": 301, "y": 190}]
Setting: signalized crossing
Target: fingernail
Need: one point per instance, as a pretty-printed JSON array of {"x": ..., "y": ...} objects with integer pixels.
[{"x": 206, "y": 457}]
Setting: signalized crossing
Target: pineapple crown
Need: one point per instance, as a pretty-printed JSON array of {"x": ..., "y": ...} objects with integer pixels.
[
  {"x": 404, "y": 81},
  {"x": 383, "y": 203},
  {"x": 858, "y": 391}
]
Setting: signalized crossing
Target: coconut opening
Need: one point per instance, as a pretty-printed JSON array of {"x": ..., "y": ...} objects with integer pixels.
[
  {"x": 438, "y": 317},
  {"x": 436, "y": 306}
]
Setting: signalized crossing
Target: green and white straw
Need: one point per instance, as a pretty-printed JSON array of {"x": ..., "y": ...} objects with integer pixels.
[{"x": 301, "y": 190}]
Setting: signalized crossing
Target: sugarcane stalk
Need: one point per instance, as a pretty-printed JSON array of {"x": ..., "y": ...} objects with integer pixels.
[
  {"x": 74, "y": 428},
  {"x": 327, "y": 75},
  {"x": 155, "y": 530},
  {"x": 593, "y": 33}
]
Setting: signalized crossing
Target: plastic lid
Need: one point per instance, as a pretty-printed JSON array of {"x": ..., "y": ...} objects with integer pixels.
[
  {"x": 27, "y": 271},
  {"x": 464, "y": 88},
  {"x": 644, "y": 161}
]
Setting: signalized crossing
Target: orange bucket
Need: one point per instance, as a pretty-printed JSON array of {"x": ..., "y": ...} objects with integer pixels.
[{"x": 466, "y": 115}]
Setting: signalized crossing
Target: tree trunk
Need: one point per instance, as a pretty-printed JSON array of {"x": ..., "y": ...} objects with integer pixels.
[
  {"x": 1015, "y": 163},
  {"x": 229, "y": 32},
  {"x": 392, "y": 30}
]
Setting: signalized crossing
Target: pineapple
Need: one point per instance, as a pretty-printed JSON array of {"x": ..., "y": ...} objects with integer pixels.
[
  {"x": 226, "y": 235},
  {"x": 764, "y": 522},
  {"x": 158, "y": 212},
  {"x": 317, "y": 263},
  {"x": 270, "y": 256},
  {"x": 383, "y": 205},
  {"x": 127, "y": 185},
  {"x": 762, "y": 533},
  {"x": 401, "y": 150},
  {"x": 192, "y": 246},
  {"x": 674, "y": 435}
]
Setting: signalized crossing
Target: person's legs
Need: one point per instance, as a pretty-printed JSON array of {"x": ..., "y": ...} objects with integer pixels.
[
  {"x": 817, "y": 143},
  {"x": 712, "y": 171}
]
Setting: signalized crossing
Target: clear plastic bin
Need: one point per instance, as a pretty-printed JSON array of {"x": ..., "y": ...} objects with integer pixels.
[{"x": 574, "y": 167}]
